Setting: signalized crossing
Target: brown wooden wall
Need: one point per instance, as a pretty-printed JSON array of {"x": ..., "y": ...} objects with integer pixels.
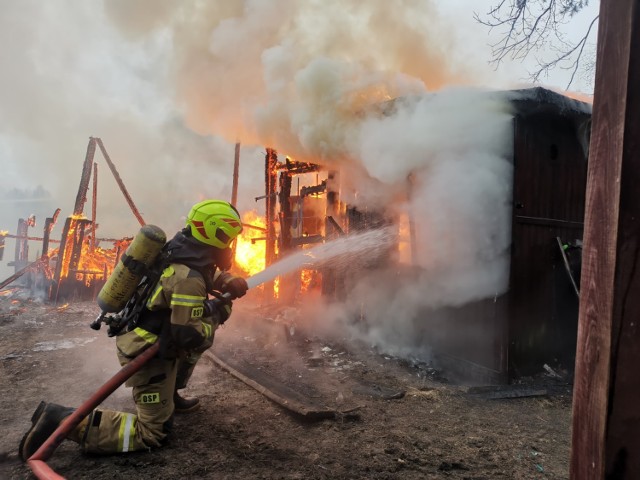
[{"x": 549, "y": 185}]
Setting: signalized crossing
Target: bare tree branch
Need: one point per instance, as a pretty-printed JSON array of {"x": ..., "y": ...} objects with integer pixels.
[{"x": 531, "y": 27}]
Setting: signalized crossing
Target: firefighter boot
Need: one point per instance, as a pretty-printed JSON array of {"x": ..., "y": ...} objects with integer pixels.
[
  {"x": 185, "y": 404},
  {"x": 44, "y": 422}
]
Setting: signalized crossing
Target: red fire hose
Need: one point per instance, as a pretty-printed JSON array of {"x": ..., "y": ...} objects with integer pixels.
[{"x": 37, "y": 461}]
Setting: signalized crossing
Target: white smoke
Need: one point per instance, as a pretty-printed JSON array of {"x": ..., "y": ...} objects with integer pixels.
[
  {"x": 171, "y": 85},
  {"x": 456, "y": 148}
]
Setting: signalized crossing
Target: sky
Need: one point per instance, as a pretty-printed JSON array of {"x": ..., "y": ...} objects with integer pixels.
[{"x": 170, "y": 86}]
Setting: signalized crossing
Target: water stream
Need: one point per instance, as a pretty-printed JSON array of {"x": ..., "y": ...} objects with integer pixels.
[{"x": 347, "y": 247}]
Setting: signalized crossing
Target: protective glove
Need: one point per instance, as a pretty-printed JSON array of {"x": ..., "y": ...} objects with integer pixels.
[
  {"x": 235, "y": 286},
  {"x": 218, "y": 309}
]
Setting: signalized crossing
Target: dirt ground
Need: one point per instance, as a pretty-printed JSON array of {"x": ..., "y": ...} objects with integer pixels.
[{"x": 394, "y": 420}]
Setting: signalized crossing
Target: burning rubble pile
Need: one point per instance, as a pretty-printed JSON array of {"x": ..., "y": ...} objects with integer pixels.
[{"x": 80, "y": 265}]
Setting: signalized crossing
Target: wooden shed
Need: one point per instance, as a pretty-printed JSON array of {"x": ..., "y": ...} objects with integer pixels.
[{"x": 535, "y": 322}]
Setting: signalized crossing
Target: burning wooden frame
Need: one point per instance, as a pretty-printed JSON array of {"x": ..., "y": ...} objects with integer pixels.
[{"x": 78, "y": 268}]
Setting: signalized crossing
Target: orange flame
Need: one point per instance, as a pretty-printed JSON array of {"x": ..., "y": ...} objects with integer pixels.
[
  {"x": 93, "y": 264},
  {"x": 404, "y": 239},
  {"x": 250, "y": 245},
  {"x": 307, "y": 279}
]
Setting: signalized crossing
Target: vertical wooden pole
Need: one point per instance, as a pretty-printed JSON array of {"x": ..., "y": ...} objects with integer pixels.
[
  {"x": 289, "y": 284},
  {"x": 81, "y": 196},
  {"x": 271, "y": 180},
  {"x": 236, "y": 169},
  {"x": 94, "y": 208},
  {"x": 234, "y": 192},
  {"x": 330, "y": 276},
  {"x": 22, "y": 245},
  {"x": 606, "y": 412}
]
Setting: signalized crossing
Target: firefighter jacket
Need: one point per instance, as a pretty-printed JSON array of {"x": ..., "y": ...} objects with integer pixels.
[{"x": 175, "y": 311}]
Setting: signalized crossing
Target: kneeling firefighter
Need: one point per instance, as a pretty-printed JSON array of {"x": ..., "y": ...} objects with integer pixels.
[{"x": 178, "y": 314}]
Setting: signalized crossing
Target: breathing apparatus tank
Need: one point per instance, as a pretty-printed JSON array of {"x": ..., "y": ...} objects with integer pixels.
[{"x": 132, "y": 267}]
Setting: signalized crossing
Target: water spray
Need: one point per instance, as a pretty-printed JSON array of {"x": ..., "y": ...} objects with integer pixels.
[{"x": 343, "y": 248}]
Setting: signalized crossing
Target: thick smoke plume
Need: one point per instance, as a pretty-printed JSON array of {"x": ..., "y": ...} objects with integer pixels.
[{"x": 170, "y": 85}]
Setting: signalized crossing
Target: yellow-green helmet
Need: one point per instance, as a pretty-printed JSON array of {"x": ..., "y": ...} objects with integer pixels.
[{"x": 214, "y": 222}]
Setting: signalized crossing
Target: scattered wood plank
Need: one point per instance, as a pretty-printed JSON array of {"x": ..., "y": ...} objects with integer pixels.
[
  {"x": 497, "y": 392},
  {"x": 276, "y": 390}
]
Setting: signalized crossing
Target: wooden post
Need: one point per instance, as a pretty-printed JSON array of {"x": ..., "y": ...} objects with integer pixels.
[
  {"x": 234, "y": 192},
  {"x": 606, "y": 413},
  {"x": 271, "y": 187},
  {"x": 290, "y": 283},
  {"x": 49, "y": 223},
  {"x": 236, "y": 168},
  {"x": 94, "y": 208},
  {"x": 330, "y": 276},
  {"x": 81, "y": 196}
]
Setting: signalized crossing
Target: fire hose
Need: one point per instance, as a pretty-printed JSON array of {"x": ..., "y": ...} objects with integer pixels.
[{"x": 37, "y": 461}]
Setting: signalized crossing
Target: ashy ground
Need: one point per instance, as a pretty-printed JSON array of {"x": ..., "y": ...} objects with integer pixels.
[{"x": 394, "y": 420}]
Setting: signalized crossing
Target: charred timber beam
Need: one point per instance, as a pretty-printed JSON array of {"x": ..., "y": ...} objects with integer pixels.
[
  {"x": 22, "y": 247},
  {"x": 285, "y": 211},
  {"x": 331, "y": 279},
  {"x": 78, "y": 240},
  {"x": 337, "y": 228},
  {"x": 62, "y": 253},
  {"x": 40, "y": 262},
  {"x": 94, "y": 203},
  {"x": 115, "y": 240},
  {"x": 296, "y": 168},
  {"x": 236, "y": 169},
  {"x": 81, "y": 197},
  {"x": 35, "y": 239},
  {"x": 271, "y": 179},
  {"x": 123, "y": 189},
  {"x": 234, "y": 191},
  {"x": 309, "y": 239},
  {"x": 49, "y": 223},
  {"x": 262, "y": 197},
  {"x": 305, "y": 191}
]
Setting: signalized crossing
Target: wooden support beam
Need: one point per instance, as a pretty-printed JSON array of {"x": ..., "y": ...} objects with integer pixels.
[
  {"x": 81, "y": 196},
  {"x": 120, "y": 183},
  {"x": 606, "y": 417},
  {"x": 94, "y": 207},
  {"x": 236, "y": 170}
]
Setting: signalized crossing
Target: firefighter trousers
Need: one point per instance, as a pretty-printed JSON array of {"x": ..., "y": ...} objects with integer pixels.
[{"x": 108, "y": 431}]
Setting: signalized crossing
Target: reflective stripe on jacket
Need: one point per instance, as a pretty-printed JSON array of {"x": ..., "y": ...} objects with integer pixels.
[{"x": 183, "y": 291}]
